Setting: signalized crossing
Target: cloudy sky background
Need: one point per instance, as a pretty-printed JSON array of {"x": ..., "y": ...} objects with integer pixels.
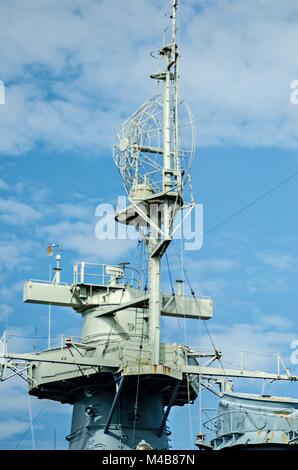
[{"x": 74, "y": 70}]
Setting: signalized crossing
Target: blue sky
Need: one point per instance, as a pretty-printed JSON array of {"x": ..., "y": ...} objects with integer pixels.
[{"x": 74, "y": 70}]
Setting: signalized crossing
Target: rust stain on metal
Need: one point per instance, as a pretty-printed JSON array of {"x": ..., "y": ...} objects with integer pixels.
[{"x": 272, "y": 436}]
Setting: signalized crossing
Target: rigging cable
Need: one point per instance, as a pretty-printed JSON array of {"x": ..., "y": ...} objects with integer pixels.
[
  {"x": 41, "y": 411},
  {"x": 31, "y": 423},
  {"x": 185, "y": 342},
  {"x": 252, "y": 203},
  {"x": 172, "y": 288},
  {"x": 136, "y": 404},
  {"x": 216, "y": 351}
]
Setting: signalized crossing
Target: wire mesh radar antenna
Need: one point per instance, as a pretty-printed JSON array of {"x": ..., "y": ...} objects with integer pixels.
[
  {"x": 154, "y": 154},
  {"x": 139, "y": 155},
  {"x": 156, "y": 144}
]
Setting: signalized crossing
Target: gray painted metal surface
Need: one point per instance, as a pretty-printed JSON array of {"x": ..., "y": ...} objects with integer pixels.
[
  {"x": 79, "y": 298},
  {"x": 119, "y": 377},
  {"x": 129, "y": 425},
  {"x": 253, "y": 421}
]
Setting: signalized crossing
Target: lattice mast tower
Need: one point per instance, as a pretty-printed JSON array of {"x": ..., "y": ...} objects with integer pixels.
[{"x": 154, "y": 170}]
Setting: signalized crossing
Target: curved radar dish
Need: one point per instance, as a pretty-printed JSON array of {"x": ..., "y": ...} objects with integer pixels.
[{"x": 139, "y": 151}]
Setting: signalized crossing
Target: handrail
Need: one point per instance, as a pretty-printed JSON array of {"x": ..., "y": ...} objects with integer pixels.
[
  {"x": 217, "y": 420},
  {"x": 106, "y": 275},
  {"x": 42, "y": 281}
]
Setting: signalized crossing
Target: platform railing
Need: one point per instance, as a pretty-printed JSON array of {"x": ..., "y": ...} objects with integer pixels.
[
  {"x": 106, "y": 275},
  {"x": 233, "y": 418}
]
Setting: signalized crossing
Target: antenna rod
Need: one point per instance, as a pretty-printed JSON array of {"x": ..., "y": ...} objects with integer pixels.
[
  {"x": 175, "y": 58},
  {"x": 174, "y": 19},
  {"x": 170, "y": 170}
]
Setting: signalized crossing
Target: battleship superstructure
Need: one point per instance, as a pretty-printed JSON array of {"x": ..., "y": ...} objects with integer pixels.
[{"x": 121, "y": 380}]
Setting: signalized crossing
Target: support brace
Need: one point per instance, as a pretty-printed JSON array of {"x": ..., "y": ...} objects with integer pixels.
[
  {"x": 167, "y": 412},
  {"x": 114, "y": 404}
]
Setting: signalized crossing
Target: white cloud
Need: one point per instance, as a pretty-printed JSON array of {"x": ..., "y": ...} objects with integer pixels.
[
  {"x": 9, "y": 294},
  {"x": 80, "y": 72},
  {"x": 5, "y": 310},
  {"x": 16, "y": 253},
  {"x": 13, "y": 396},
  {"x": 14, "y": 411},
  {"x": 258, "y": 280},
  {"x": 25, "y": 188},
  {"x": 233, "y": 52},
  {"x": 17, "y": 213},
  {"x": 276, "y": 321},
  {"x": 217, "y": 265},
  {"x": 212, "y": 287},
  {"x": 259, "y": 344},
  {"x": 11, "y": 427},
  {"x": 74, "y": 231},
  {"x": 74, "y": 211},
  {"x": 77, "y": 69},
  {"x": 80, "y": 237},
  {"x": 20, "y": 340},
  {"x": 3, "y": 185},
  {"x": 277, "y": 260}
]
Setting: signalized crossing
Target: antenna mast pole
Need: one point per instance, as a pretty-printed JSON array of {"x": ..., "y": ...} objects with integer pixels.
[
  {"x": 176, "y": 58},
  {"x": 171, "y": 76},
  {"x": 170, "y": 170}
]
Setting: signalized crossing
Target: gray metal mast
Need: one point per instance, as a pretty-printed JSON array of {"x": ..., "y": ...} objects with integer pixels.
[
  {"x": 121, "y": 380},
  {"x": 170, "y": 187}
]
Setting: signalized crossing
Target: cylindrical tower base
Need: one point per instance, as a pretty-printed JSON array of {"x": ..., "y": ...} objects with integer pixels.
[{"x": 137, "y": 416}]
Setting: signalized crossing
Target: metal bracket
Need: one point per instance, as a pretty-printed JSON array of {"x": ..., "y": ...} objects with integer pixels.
[
  {"x": 114, "y": 404},
  {"x": 167, "y": 412}
]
